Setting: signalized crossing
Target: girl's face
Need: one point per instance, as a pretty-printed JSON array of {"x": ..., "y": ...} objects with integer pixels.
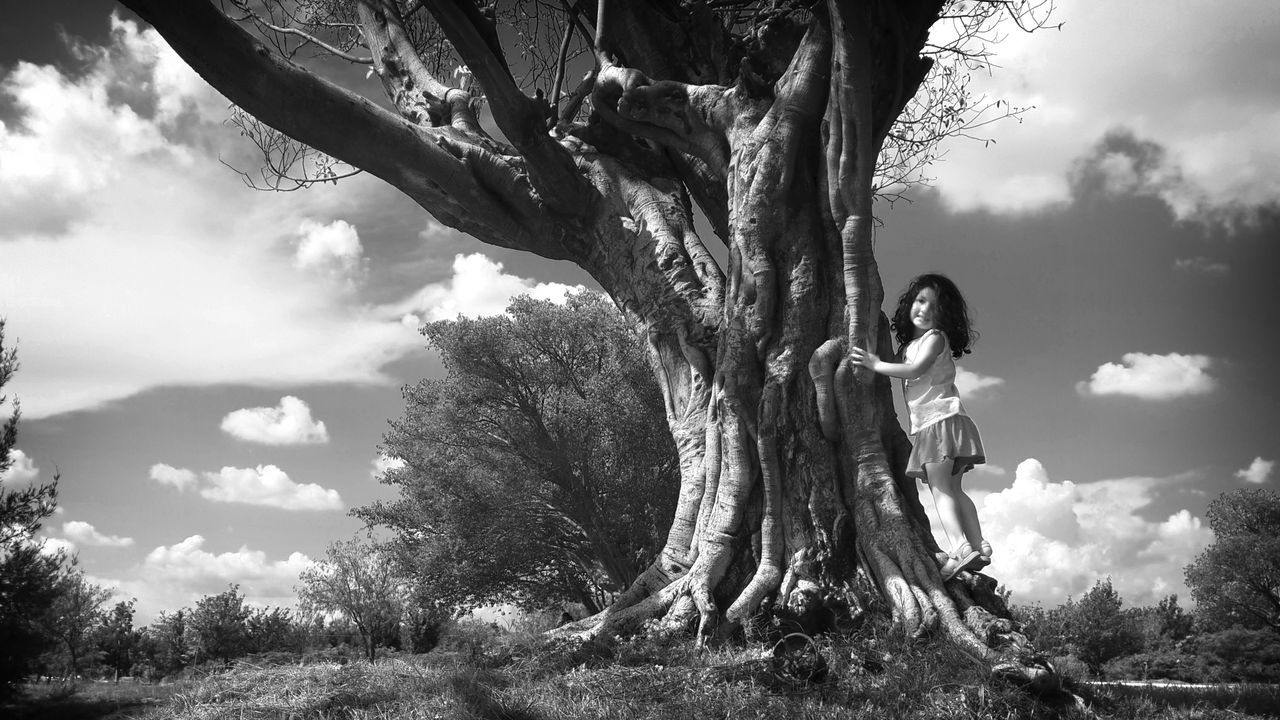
[{"x": 924, "y": 311}]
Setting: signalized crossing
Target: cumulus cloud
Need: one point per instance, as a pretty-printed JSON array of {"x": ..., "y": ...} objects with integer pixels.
[
  {"x": 1257, "y": 472},
  {"x": 1080, "y": 90},
  {"x": 82, "y": 533},
  {"x": 289, "y": 423},
  {"x": 478, "y": 287},
  {"x": 1152, "y": 377},
  {"x": 334, "y": 247},
  {"x": 1202, "y": 266},
  {"x": 265, "y": 485},
  {"x": 1054, "y": 539},
  {"x": 973, "y": 385},
  {"x": 21, "y": 471},
  {"x": 178, "y": 575},
  {"x": 180, "y": 478}
]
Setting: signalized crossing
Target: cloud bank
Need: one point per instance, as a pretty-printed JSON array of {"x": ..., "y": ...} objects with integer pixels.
[
  {"x": 1200, "y": 126},
  {"x": 1054, "y": 539},
  {"x": 123, "y": 271}
]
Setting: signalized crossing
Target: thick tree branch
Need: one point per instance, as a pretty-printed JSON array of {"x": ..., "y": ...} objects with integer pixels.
[{"x": 464, "y": 186}]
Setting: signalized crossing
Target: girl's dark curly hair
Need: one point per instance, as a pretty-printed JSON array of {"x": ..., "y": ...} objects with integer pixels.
[{"x": 952, "y": 313}]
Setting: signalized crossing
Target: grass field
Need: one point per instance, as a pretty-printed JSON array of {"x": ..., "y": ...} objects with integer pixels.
[{"x": 868, "y": 677}]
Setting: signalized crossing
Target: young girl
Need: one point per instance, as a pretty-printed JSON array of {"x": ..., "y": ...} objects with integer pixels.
[{"x": 932, "y": 327}]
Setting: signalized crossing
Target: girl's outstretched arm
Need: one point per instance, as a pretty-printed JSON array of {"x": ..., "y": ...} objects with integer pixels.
[{"x": 930, "y": 346}]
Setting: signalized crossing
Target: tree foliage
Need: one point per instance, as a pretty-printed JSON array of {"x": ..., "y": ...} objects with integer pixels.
[
  {"x": 358, "y": 581},
  {"x": 28, "y": 575},
  {"x": 217, "y": 626},
  {"x": 72, "y": 618},
  {"x": 540, "y": 469},
  {"x": 117, "y": 639},
  {"x": 1236, "y": 580},
  {"x": 1099, "y": 628}
]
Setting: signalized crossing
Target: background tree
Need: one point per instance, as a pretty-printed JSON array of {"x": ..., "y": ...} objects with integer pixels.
[
  {"x": 539, "y": 470},
  {"x": 167, "y": 642},
  {"x": 28, "y": 575},
  {"x": 273, "y": 630},
  {"x": 1236, "y": 580},
  {"x": 217, "y": 627},
  {"x": 357, "y": 580},
  {"x": 72, "y": 617},
  {"x": 117, "y": 640},
  {"x": 770, "y": 117},
  {"x": 1099, "y": 628}
]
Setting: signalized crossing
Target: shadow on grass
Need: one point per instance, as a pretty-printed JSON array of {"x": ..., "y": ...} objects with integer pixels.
[{"x": 85, "y": 701}]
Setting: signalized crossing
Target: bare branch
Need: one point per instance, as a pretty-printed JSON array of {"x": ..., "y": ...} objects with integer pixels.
[{"x": 306, "y": 37}]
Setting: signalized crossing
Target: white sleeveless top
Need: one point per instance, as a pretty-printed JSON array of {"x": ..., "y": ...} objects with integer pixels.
[{"x": 932, "y": 396}]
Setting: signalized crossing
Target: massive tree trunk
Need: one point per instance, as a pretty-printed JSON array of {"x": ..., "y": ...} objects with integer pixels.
[{"x": 791, "y": 457}]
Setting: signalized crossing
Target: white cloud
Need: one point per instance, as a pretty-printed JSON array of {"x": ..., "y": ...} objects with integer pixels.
[
  {"x": 290, "y": 423},
  {"x": 22, "y": 471},
  {"x": 267, "y": 485},
  {"x": 334, "y": 247},
  {"x": 82, "y": 533},
  {"x": 1053, "y": 540},
  {"x": 1257, "y": 472},
  {"x": 382, "y": 464},
  {"x": 1097, "y": 74},
  {"x": 1152, "y": 377},
  {"x": 178, "y": 575},
  {"x": 973, "y": 385},
  {"x": 479, "y": 287},
  {"x": 168, "y": 475}
]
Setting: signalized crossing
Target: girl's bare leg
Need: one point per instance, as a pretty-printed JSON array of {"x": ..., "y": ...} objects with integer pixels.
[
  {"x": 967, "y": 514},
  {"x": 945, "y": 487}
]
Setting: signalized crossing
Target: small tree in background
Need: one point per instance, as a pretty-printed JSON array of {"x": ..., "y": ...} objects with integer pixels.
[
  {"x": 168, "y": 642},
  {"x": 71, "y": 619},
  {"x": 357, "y": 581},
  {"x": 1099, "y": 629},
  {"x": 117, "y": 639},
  {"x": 1236, "y": 580},
  {"x": 218, "y": 626}
]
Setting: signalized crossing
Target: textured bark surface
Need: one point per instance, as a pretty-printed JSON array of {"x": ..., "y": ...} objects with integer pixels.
[{"x": 791, "y": 458}]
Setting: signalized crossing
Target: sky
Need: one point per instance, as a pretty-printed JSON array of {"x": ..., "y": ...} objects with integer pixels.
[{"x": 209, "y": 369}]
